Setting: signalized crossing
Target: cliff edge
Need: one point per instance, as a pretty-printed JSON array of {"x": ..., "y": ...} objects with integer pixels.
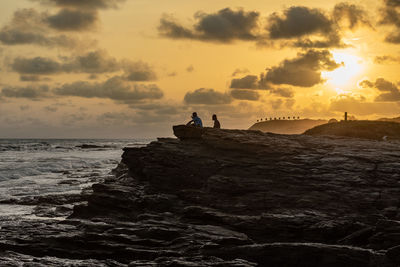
[
  {"x": 235, "y": 198},
  {"x": 286, "y": 126}
]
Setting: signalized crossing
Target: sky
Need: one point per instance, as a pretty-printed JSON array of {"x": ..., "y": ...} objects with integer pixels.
[{"x": 134, "y": 68}]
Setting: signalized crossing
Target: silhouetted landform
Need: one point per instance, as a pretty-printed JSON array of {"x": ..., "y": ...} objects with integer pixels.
[
  {"x": 376, "y": 130},
  {"x": 390, "y": 119},
  {"x": 286, "y": 126},
  {"x": 228, "y": 198}
]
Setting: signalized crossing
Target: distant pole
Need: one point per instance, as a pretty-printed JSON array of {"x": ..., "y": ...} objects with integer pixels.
[{"x": 345, "y": 116}]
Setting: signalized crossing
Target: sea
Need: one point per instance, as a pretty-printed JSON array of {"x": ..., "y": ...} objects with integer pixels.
[{"x": 32, "y": 168}]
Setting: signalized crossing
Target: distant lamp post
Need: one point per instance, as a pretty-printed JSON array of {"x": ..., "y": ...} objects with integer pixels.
[{"x": 345, "y": 116}]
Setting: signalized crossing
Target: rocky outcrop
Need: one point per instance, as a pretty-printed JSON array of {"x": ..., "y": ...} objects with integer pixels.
[
  {"x": 286, "y": 126},
  {"x": 231, "y": 198},
  {"x": 374, "y": 130}
]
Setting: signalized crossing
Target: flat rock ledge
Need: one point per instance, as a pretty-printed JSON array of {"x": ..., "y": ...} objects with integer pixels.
[{"x": 231, "y": 198}]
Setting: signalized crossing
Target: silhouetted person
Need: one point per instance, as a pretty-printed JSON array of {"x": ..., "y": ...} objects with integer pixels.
[
  {"x": 217, "y": 125},
  {"x": 196, "y": 121}
]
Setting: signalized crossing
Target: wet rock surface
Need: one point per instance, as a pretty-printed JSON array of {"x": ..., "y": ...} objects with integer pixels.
[{"x": 228, "y": 198}]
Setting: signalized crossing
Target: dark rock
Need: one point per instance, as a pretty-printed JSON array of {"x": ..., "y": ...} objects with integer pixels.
[
  {"x": 229, "y": 198},
  {"x": 394, "y": 255}
]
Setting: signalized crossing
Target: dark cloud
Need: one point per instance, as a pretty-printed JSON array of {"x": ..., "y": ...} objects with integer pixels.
[
  {"x": 29, "y": 92},
  {"x": 250, "y": 82},
  {"x": 333, "y": 40},
  {"x": 354, "y": 15},
  {"x": 114, "y": 88},
  {"x": 207, "y": 97},
  {"x": 241, "y": 94},
  {"x": 87, "y": 4},
  {"x": 390, "y": 15},
  {"x": 304, "y": 70},
  {"x": 389, "y": 91},
  {"x": 138, "y": 71},
  {"x": 94, "y": 62},
  {"x": 28, "y": 27},
  {"x": 297, "y": 26},
  {"x": 32, "y": 78},
  {"x": 225, "y": 26},
  {"x": 72, "y": 20},
  {"x": 36, "y": 66},
  {"x": 298, "y": 21},
  {"x": 283, "y": 92},
  {"x": 387, "y": 59}
]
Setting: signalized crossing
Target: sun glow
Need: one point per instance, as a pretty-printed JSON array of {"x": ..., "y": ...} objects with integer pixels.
[{"x": 351, "y": 67}]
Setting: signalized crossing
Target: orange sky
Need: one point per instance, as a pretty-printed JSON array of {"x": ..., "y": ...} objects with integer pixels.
[{"x": 115, "y": 68}]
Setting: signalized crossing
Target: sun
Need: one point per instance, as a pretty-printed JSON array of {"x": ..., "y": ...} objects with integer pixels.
[{"x": 351, "y": 67}]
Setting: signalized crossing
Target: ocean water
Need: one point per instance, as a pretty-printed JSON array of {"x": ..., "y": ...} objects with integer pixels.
[{"x": 32, "y": 168}]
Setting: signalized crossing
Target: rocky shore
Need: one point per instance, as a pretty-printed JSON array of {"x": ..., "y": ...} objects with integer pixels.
[{"x": 229, "y": 198}]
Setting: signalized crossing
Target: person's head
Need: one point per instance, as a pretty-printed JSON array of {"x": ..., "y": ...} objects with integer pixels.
[
  {"x": 214, "y": 117},
  {"x": 194, "y": 114}
]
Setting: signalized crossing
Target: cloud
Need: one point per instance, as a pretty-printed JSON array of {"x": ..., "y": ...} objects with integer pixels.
[
  {"x": 304, "y": 70},
  {"x": 24, "y": 107},
  {"x": 28, "y": 27},
  {"x": 29, "y": 92},
  {"x": 138, "y": 71},
  {"x": 207, "y": 97},
  {"x": 94, "y": 62},
  {"x": 250, "y": 82},
  {"x": 114, "y": 88},
  {"x": 390, "y": 91},
  {"x": 50, "y": 109},
  {"x": 32, "y": 78},
  {"x": 36, "y": 66},
  {"x": 72, "y": 20},
  {"x": 190, "y": 68},
  {"x": 298, "y": 21},
  {"x": 387, "y": 59},
  {"x": 225, "y": 26},
  {"x": 240, "y": 71},
  {"x": 87, "y": 4},
  {"x": 276, "y": 104},
  {"x": 283, "y": 92},
  {"x": 355, "y": 15},
  {"x": 359, "y": 106},
  {"x": 250, "y": 95},
  {"x": 390, "y": 15},
  {"x": 296, "y": 26},
  {"x": 301, "y": 23}
]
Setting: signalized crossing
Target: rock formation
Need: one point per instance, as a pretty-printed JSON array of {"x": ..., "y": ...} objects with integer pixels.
[
  {"x": 375, "y": 130},
  {"x": 231, "y": 198},
  {"x": 286, "y": 126}
]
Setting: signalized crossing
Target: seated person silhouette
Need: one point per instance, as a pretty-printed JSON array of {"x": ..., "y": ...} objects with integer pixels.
[
  {"x": 196, "y": 121},
  {"x": 217, "y": 125}
]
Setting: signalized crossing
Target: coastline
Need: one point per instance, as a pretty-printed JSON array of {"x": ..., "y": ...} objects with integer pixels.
[{"x": 231, "y": 198}]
